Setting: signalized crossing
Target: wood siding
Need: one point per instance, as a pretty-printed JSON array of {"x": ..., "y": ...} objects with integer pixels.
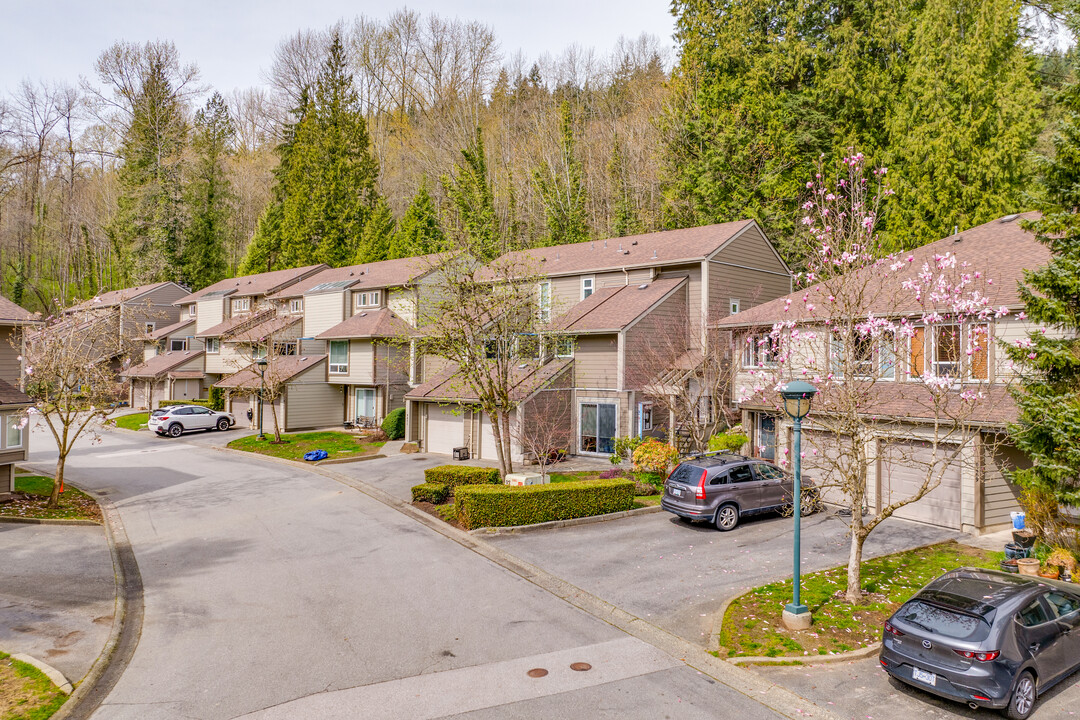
[
  {"x": 1000, "y": 497},
  {"x": 751, "y": 250},
  {"x": 208, "y": 313},
  {"x": 312, "y": 403},
  {"x": 322, "y": 312},
  {"x": 749, "y": 287},
  {"x": 231, "y": 359},
  {"x": 665, "y": 325},
  {"x": 10, "y": 350},
  {"x": 402, "y": 303},
  {"x": 596, "y": 360},
  {"x": 693, "y": 290}
]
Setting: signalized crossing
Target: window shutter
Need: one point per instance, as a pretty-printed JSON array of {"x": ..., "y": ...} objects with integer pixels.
[
  {"x": 918, "y": 353},
  {"x": 979, "y": 356}
]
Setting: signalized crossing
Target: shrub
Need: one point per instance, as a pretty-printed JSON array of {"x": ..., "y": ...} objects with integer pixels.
[
  {"x": 170, "y": 403},
  {"x": 434, "y": 493},
  {"x": 394, "y": 424},
  {"x": 731, "y": 441},
  {"x": 612, "y": 473},
  {"x": 505, "y": 505},
  {"x": 377, "y": 436},
  {"x": 654, "y": 456},
  {"x": 624, "y": 449},
  {"x": 453, "y": 475},
  {"x": 217, "y": 398}
]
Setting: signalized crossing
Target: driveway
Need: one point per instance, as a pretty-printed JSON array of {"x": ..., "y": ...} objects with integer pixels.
[
  {"x": 56, "y": 595},
  {"x": 677, "y": 574}
]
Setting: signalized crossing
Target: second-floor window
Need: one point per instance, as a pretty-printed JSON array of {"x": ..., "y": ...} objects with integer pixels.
[
  {"x": 953, "y": 351},
  {"x": 258, "y": 352},
  {"x": 285, "y": 347},
  {"x": 733, "y": 306},
  {"x": 370, "y": 298},
  {"x": 544, "y": 301},
  {"x": 339, "y": 357},
  {"x": 191, "y": 310},
  {"x": 564, "y": 346},
  {"x": 759, "y": 350},
  {"x": 176, "y": 344},
  {"x": 870, "y": 357},
  {"x": 296, "y": 305},
  {"x": 213, "y": 346},
  {"x": 14, "y": 431},
  {"x": 241, "y": 304},
  {"x": 587, "y": 287}
]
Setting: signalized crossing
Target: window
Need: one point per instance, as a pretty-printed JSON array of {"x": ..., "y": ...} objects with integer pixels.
[
  {"x": 528, "y": 347},
  {"x": 213, "y": 346},
  {"x": 241, "y": 304},
  {"x": 258, "y": 352},
  {"x": 862, "y": 357},
  {"x": 749, "y": 355},
  {"x": 740, "y": 474},
  {"x": 544, "y": 301},
  {"x": 296, "y": 305},
  {"x": 149, "y": 327},
  {"x": 178, "y": 345},
  {"x": 1062, "y": 604},
  {"x": 761, "y": 350},
  {"x": 339, "y": 357},
  {"x": 947, "y": 351},
  {"x": 870, "y": 357},
  {"x": 598, "y": 428},
  {"x": 564, "y": 346},
  {"x": 940, "y": 621},
  {"x": 365, "y": 403},
  {"x": 587, "y": 285},
  {"x": 366, "y": 299},
  {"x": 766, "y": 437},
  {"x": 646, "y": 417},
  {"x": 285, "y": 347},
  {"x": 1032, "y": 615},
  {"x": 733, "y": 306},
  {"x": 14, "y": 425},
  {"x": 191, "y": 310}
]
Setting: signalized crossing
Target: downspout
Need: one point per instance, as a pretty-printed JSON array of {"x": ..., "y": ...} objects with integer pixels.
[{"x": 626, "y": 277}]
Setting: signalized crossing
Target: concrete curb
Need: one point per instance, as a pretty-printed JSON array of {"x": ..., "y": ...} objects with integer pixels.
[
  {"x": 551, "y": 524},
  {"x": 859, "y": 654},
  {"x": 742, "y": 680},
  {"x": 50, "y": 672},
  {"x": 49, "y": 521},
  {"x": 127, "y": 620},
  {"x": 342, "y": 461}
]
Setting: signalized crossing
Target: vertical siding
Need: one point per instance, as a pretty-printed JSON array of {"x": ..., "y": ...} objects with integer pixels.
[
  {"x": 665, "y": 326},
  {"x": 596, "y": 361},
  {"x": 311, "y": 346},
  {"x": 322, "y": 312},
  {"x": 694, "y": 290}
]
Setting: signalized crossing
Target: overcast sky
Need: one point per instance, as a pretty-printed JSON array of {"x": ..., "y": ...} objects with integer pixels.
[{"x": 232, "y": 40}]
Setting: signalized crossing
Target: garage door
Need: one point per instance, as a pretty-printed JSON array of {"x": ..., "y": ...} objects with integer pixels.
[
  {"x": 823, "y": 458},
  {"x": 904, "y": 467},
  {"x": 138, "y": 396},
  {"x": 445, "y": 430},
  {"x": 239, "y": 406}
]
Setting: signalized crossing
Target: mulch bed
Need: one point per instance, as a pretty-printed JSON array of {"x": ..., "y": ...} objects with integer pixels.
[{"x": 74, "y": 505}]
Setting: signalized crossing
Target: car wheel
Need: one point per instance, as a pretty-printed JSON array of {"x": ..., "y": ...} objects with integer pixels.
[
  {"x": 727, "y": 517},
  {"x": 223, "y": 424},
  {"x": 1023, "y": 698},
  {"x": 175, "y": 430},
  {"x": 810, "y": 504}
]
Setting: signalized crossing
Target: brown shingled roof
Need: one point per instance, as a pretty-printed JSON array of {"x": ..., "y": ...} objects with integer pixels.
[
  {"x": 387, "y": 273},
  {"x": 1000, "y": 249},
  {"x": 161, "y": 364},
  {"x": 116, "y": 297},
  {"x": 262, "y": 330},
  {"x": 666, "y": 247},
  {"x": 612, "y": 309},
  {"x": 237, "y": 323},
  {"x": 10, "y": 312},
  {"x": 526, "y": 379},
  {"x": 380, "y": 323},
  {"x": 265, "y": 283},
  {"x": 11, "y": 395},
  {"x": 285, "y": 367},
  {"x": 164, "y": 332}
]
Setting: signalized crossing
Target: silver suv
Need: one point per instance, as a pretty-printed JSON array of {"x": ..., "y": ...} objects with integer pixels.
[{"x": 723, "y": 488}]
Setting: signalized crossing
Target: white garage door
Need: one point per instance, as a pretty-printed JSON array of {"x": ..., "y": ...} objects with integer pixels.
[
  {"x": 487, "y": 450},
  {"x": 239, "y": 406},
  {"x": 904, "y": 468},
  {"x": 445, "y": 430},
  {"x": 823, "y": 459}
]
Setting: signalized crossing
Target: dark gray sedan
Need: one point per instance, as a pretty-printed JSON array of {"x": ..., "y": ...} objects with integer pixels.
[{"x": 986, "y": 638}]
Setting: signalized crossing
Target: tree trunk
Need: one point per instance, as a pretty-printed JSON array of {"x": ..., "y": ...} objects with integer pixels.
[
  {"x": 500, "y": 448},
  {"x": 854, "y": 571},
  {"x": 273, "y": 413},
  {"x": 58, "y": 481}
]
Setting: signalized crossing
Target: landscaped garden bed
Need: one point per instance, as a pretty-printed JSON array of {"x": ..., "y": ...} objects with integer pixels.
[
  {"x": 134, "y": 421},
  {"x": 25, "y": 692},
  {"x": 293, "y": 445},
  {"x": 752, "y": 627},
  {"x": 32, "y": 496}
]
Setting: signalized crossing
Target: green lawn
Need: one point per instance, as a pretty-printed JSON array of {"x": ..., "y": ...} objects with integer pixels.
[
  {"x": 25, "y": 692},
  {"x": 294, "y": 445},
  {"x": 135, "y": 421},
  {"x": 752, "y": 626},
  {"x": 74, "y": 504}
]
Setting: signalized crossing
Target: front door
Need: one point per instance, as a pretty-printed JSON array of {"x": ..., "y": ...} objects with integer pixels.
[
  {"x": 365, "y": 403},
  {"x": 598, "y": 428},
  {"x": 766, "y": 437}
]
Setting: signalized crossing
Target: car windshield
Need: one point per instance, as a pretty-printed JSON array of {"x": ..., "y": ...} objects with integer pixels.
[
  {"x": 686, "y": 474},
  {"x": 941, "y": 621}
]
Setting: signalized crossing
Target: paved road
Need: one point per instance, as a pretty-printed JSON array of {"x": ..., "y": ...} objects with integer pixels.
[
  {"x": 56, "y": 594},
  {"x": 276, "y": 593},
  {"x": 676, "y": 574}
]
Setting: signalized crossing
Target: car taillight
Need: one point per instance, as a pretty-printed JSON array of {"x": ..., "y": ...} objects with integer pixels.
[
  {"x": 700, "y": 495},
  {"x": 889, "y": 628},
  {"x": 980, "y": 656},
  {"x": 163, "y": 417}
]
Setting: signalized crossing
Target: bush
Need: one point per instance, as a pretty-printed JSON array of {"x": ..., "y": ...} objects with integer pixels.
[
  {"x": 170, "y": 403},
  {"x": 394, "y": 424},
  {"x": 217, "y": 398},
  {"x": 434, "y": 493},
  {"x": 655, "y": 456},
  {"x": 505, "y": 505},
  {"x": 730, "y": 441},
  {"x": 453, "y": 475},
  {"x": 612, "y": 473}
]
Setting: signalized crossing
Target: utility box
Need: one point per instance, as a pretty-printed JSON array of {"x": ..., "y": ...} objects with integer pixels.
[
  {"x": 524, "y": 479},
  {"x": 461, "y": 453}
]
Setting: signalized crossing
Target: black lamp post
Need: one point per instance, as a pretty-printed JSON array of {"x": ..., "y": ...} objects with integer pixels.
[
  {"x": 261, "y": 362},
  {"x": 797, "y": 398}
]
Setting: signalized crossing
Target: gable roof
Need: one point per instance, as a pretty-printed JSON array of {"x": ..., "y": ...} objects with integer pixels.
[
  {"x": 12, "y": 313},
  {"x": 11, "y": 395},
  {"x": 162, "y": 363},
  {"x": 386, "y": 273},
  {"x": 1000, "y": 249},
  {"x": 117, "y": 297},
  {"x": 666, "y": 247},
  {"x": 261, "y": 330},
  {"x": 237, "y": 323},
  {"x": 285, "y": 367},
  {"x": 612, "y": 309},
  {"x": 379, "y": 323},
  {"x": 265, "y": 283},
  {"x": 164, "y": 332},
  {"x": 526, "y": 379}
]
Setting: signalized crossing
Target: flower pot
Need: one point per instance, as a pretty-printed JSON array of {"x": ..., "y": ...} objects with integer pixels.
[
  {"x": 1027, "y": 566},
  {"x": 1015, "y": 550},
  {"x": 1009, "y": 566},
  {"x": 1024, "y": 538},
  {"x": 1050, "y": 573}
]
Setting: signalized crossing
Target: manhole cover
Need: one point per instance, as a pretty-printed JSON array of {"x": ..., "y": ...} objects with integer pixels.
[
  {"x": 580, "y": 667},
  {"x": 537, "y": 673}
]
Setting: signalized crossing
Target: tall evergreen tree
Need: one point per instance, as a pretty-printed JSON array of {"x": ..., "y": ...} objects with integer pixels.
[
  {"x": 561, "y": 187},
  {"x": 419, "y": 231},
  {"x": 202, "y": 255},
  {"x": 377, "y": 235},
  {"x": 469, "y": 189},
  {"x": 624, "y": 220},
  {"x": 1048, "y": 429}
]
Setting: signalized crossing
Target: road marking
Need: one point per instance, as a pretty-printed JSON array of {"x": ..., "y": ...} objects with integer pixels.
[
  {"x": 436, "y": 695},
  {"x": 122, "y": 453}
]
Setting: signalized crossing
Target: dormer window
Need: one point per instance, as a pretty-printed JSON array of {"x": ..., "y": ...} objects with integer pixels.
[
  {"x": 296, "y": 306},
  {"x": 371, "y": 298},
  {"x": 543, "y": 302},
  {"x": 191, "y": 310},
  {"x": 241, "y": 304},
  {"x": 587, "y": 286}
]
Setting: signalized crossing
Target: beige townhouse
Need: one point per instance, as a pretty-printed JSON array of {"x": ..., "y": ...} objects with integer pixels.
[{"x": 14, "y": 321}]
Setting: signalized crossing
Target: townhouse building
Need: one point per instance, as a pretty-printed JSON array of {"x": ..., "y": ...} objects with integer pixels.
[
  {"x": 14, "y": 321},
  {"x": 974, "y": 493}
]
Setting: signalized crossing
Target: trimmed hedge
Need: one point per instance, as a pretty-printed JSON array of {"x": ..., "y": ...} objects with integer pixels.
[
  {"x": 217, "y": 398},
  {"x": 505, "y": 505},
  {"x": 453, "y": 475},
  {"x": 394, "y": 424},
  {"x": 170, "y": 403},
  {"x": 434, "y": 493}
]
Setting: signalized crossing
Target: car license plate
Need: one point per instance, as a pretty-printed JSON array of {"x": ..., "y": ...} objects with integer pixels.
[
  {"x": 923, "y": 676},
  {"x": 677, "y": 492}
]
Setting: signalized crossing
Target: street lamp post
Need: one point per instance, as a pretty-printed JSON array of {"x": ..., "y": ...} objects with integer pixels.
[
  {"x": 261, "y": 362},
  {"x": 797, "y": 398}
]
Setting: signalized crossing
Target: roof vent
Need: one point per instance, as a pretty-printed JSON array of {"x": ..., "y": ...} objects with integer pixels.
[
  {"x": 642, "y": 286},
  {"x": 605, "y": 243},
  {"x": 543, "y": 259},
  {"x": 363, "y": 314},
  {"x": 959, "y": 238},
  {"x": 654, "y": 254},
  {"x": 303, "y": 359},
  {"x": 557, "y": 256},
  {"x": 351, "y": 273},
  {"x": 634, "y": 242},
  {"x": 522, "y": 366},
  {"x": 625, "y": 252},
  {"x": 1009, "y": 218}
]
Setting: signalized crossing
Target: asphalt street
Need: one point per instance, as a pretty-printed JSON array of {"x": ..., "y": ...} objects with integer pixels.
[{"x": 272, "y": 592}]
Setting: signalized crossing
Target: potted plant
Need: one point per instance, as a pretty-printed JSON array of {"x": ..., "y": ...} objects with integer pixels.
[
  {"x": 1024, "y": 538},
  {"x": 1050, "y": 572},
  {"x": 1063, "y": 559}
]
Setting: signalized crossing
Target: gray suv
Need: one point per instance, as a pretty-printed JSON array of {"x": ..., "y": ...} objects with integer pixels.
[{"x": 723, "y": 488}]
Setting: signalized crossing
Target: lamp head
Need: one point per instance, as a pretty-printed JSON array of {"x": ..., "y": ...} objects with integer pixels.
[
  {"x": 261, "y": 362},
  {"x": 797, "y": 398}
]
